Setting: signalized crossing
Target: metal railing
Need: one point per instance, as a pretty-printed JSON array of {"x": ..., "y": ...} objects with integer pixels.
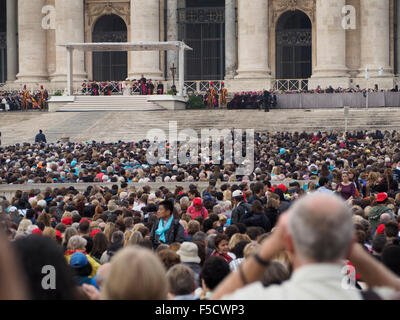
[
  {"x": 202, "y": 86},
  {"x": 291, "y": 84}
]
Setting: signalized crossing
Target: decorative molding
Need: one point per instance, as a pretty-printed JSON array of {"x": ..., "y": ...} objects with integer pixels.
[
  {"x": 281, "y": 6},
  {"x": 94, "y": 10}
]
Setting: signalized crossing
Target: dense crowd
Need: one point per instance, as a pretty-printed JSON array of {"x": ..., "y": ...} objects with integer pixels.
[
  {"x": 188, "y": 244},
  {"x": 17, "y": 100},
  {"x": 371, "y": 157}
]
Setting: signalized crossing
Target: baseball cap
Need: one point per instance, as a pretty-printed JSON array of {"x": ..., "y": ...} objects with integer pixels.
[
  {"x": 237, "y": 193},
  {"x": 381, "y": 197},
  {"x": 37, "y": 231},
  {"x": 94, "y": 232},
  {"x": 66, "y": 220},
  {"x": 197, "y": 202},
  {"x": 282, "y": 187},
  {"x": 78, "y": 260}
]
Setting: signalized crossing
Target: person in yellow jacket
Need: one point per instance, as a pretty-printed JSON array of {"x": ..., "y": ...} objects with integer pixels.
[
  {"x": 223, "y": 95},
  {"x": 76, "y": 244}
]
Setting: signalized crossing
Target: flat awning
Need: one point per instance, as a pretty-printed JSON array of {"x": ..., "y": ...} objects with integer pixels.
[{"x": 127, "y": 46}]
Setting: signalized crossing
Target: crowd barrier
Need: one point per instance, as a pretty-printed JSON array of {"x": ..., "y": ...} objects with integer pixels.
[{"x": 337, "y": 100}]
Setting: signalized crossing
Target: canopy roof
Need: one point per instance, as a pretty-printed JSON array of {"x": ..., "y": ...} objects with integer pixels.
[{"x": 127, "y": 46}]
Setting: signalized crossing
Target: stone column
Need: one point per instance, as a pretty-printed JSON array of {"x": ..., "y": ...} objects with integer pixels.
[
  {"x": 375, "y": 41},
  {"x": 70, "y": 27},
  {"x": 145, "y": 27},
  {"x": 331, "y": 44},
  {"x": 172, "y": 35},
  {"x": 12, "y": 30},
  {"x": 397, "y": 17},
  {"x": 230, "y": 39},
  {"x": 32, "y": 41},
  {"x": 253, "y": 39}
]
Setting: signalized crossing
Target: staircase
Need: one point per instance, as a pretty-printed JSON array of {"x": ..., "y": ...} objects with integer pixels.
[{"x": 109, "y": 104}]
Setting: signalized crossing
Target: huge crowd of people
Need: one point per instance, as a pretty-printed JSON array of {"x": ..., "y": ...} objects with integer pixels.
[{"x": 263, "y": 236}]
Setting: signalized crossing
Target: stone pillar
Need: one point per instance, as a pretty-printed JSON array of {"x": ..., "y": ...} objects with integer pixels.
[
  {"x": 32, "y": 42},
  {"x": 70, "y": 27},
  {"x": 172, "y": 35},
  {"x": 230, "y": 39},
  {"x": 331, "y": 45},
  {"x": 397, "y": 17},
  {"x": 253, "y": 39},
  {"x": 375, "y": 41},
  {"x": 145, "y": 27},
  {"x": 12, "y": 30}
]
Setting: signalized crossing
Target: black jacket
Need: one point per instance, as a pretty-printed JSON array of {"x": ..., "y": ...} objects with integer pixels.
[
  {"x": 237, "y": 213},
  {"x": 175, "y": 233},
  {"x": 40, "y": 137},
  {"x": 256, "y": 220}
]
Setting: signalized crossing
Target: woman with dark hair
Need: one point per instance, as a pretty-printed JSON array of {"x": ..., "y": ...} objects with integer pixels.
[
  {"x": 40, "y": 257},
  {"x": 100, "y": 244}
]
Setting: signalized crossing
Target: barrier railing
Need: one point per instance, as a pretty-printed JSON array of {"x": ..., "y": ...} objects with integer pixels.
[{"x": 291, "y": 84}]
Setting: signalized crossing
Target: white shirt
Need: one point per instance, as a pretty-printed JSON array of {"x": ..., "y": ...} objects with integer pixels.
[{"x": 311, "y": 282}]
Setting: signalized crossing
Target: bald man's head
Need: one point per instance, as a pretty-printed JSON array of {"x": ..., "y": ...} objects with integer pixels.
[
  {"x": 102, "y": 273},
  {"x": 385, "y": 217},
  {"x": 321, "y": 228}
]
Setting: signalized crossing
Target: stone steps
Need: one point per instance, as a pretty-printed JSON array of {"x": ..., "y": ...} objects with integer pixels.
[{"x": 110, "y": 104}]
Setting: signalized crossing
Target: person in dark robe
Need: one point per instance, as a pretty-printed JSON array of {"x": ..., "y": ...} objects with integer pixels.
[
  {"x": 160, "y": 88},
  {"x": 150, "y": 87},
  {"x": 143, "y": 85},
  {"x": 266, "y": 100}
]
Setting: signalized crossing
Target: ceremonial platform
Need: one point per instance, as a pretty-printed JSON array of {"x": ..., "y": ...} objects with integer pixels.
[{"x": 115, "y": 103}]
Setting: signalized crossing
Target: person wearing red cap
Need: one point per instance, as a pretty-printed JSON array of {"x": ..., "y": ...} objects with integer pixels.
[
  {"x": 37, "y": 231},
  {"x": 380, "y": 208},
  {"x": 197, "y": 209},
  {"x": 67, "y": 221}
]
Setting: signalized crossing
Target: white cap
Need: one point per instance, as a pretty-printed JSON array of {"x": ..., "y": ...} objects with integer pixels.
[{"x": 237, "y": 193}]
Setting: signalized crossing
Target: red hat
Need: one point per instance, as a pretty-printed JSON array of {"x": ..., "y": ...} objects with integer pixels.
[
  {"x": 180, "y": 192},
  {"x": 381, "y": 197},
  {"x": 282, "y": 187},
  {"x": 58, "y": 234},
  {"x": 37, "y": 231},
  {"x": 222, "y": 83},
  {"x": 211, "y": 83},
  {"x": 66, "y": 220},
  {"x": 24, "y": 86},
  {"x": 94, "y": 232},
  {"x": 41, "y": 87},
  {"x": 272, "y": 189},
  {"x": 84, "y": 219},
  {"x": 197, "y": 202},
  {"x": 380, "y": 229}
]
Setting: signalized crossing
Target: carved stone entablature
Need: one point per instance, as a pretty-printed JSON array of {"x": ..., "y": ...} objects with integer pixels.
[
  {"x": 96, "y": 9},
  {"x": 280, "y": 6}
]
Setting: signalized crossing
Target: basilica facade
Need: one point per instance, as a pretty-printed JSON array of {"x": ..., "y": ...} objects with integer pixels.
[{"x": 248, "y": 44}]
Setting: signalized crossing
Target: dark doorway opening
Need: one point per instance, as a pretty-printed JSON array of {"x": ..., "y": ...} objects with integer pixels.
[
  {"x": 113, "y": 65},
  {"x": 293, "y": 46},
  {"x": 202, "y": 27}
]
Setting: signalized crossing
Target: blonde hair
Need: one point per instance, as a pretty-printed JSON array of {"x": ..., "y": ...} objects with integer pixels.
[
  {"x": 127, "y": 236},
  {"x": 50, "y": 232},
  {"x": 23, "y": 225},
  {"x": 236, "y": 238},
  {"x": 135, "y": 237},
  {"x": 135, "y": 274},
  {"x": 251, "y": 249},
  {"x": 109, "y": 230}
]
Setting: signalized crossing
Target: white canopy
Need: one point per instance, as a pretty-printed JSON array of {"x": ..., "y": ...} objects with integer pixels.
[{"x": 127, "y": 46}]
